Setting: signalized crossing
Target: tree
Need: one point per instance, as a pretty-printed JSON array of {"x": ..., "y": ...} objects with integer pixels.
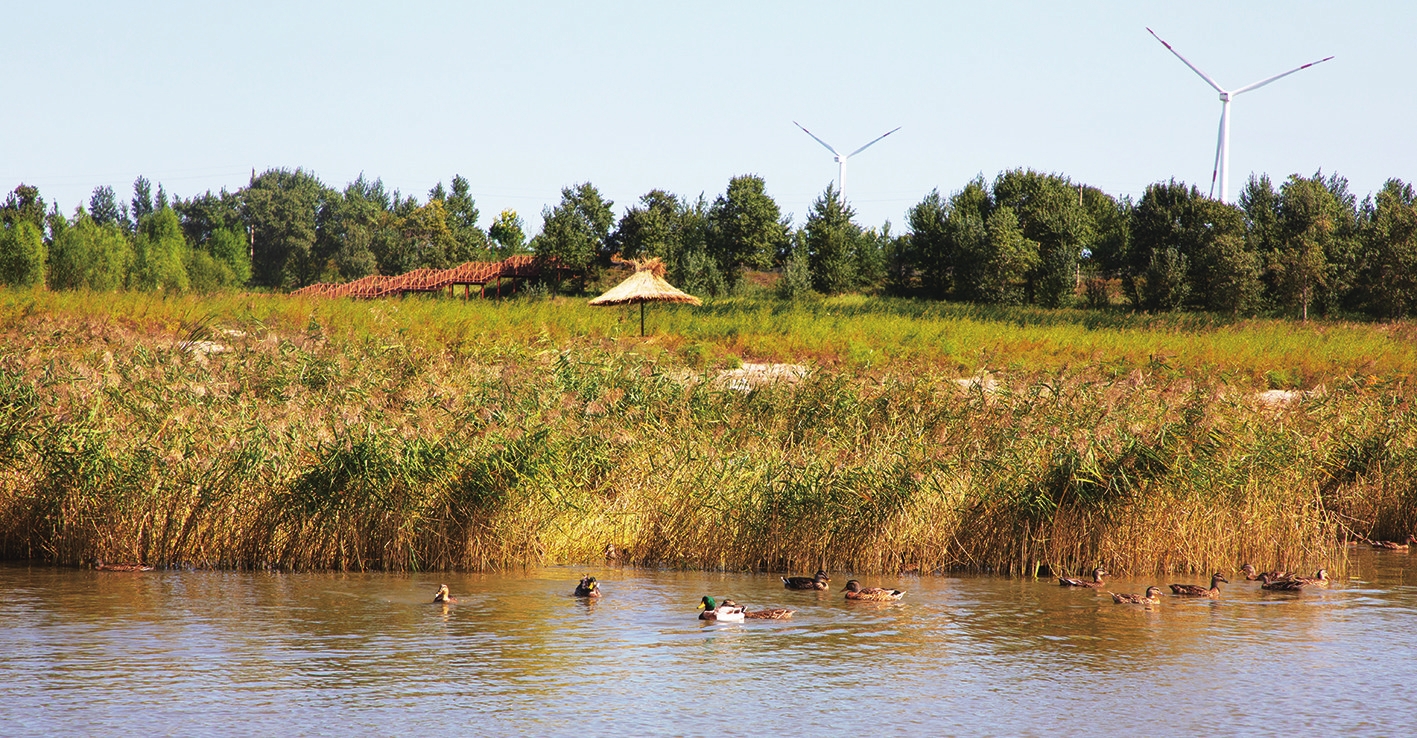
[
  {"x": 1158, "y": 263},
  {"x": 22, "y": 253},
  {"x": 1387, "y": 279},
  {"x": 831, "y": 238},
  {"x": 966, "y": 241},
  {"x": 1004, "y": 259},
  {"x": 747, "y": 227},
  {"x": 282, "y": 207},
  {"x": 575, "y": 233},
  {"x": 90, "y": 255},
  {"x": 1051, "y": 213},
  {"x": 1310, "y": 231},
  {"x": 462, "y": 222},
  {"x": 1223, "y": 272},
  {"x": 651, "y": 228},
  {"x": 142, "y": 199},
  {"x": 23, "y": 205},
  {"x": 103, "y": 207},
  {"x": 931, "y": 248},
  {"x": 159, "y": 254},
  {"x": 508, "y": 232}
]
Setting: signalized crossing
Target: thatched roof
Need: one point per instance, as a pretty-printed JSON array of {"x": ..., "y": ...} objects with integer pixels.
[{"x": 645, "y": 285}]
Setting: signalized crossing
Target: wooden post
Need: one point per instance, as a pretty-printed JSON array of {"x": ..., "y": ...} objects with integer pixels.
[{"x": 642, "y": 318}]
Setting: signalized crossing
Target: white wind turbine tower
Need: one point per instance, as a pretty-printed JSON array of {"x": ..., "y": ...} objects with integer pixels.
[
  {"x": 1222, "y": 147},
  {"x": 841, "y": 160}
]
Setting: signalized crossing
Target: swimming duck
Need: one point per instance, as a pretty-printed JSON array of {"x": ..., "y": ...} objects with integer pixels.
[
  {"x": 100, "y": 565},
  {"x": 1196, "y": 590},
  {"x": 1152, "y": 597},
  {"x": 1254, "y": 576},
  {"x": 854, "y": 591},
  {"x": 588, "y": 587},
  {"x": 1096, "y": 582},
  {"x": 1319, "y": 579},
  {"x": 772, "y": 613},
  {"x": 818, "y": 581},
  {"x": 443, "y": 595},
  {"x": 1394, "y": 545},
  {"x": 725, "y": 613}
]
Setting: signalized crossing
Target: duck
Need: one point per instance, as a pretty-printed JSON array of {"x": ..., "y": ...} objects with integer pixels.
[
  {"x": 1196, "y": 590},
  {"x": 724, "y": 613},
  {"x": 1394, "y": 545},
  {"x": 1319, "y": 579},
  {"x": 1152, "y": 597},
  {"x": 443, "y": 595},
  {"x": 101, "y": 565},
  {"x": 854, "y": 591},
  {"x": 588, "y": 587},
  {"x": 818, "y": 581},
  {"x": 772, "y": 613},
  {"x": 1255, "y": 576},
  {"x": 1096, "y": 582}
]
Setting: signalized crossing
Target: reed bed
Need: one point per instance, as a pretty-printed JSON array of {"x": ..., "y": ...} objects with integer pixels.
[{"x": 267, "y": 431}]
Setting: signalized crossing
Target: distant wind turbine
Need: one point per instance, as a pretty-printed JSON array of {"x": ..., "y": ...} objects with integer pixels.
[
  {"x": 841, "y": 160},
  {"x": 1222, "y": 147}
]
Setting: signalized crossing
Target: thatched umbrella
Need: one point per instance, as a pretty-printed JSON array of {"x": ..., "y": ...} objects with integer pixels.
[{"x": 645, "y": 285}]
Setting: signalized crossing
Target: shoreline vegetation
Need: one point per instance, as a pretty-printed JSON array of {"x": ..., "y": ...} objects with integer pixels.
[{"x": 269, "y": 431}]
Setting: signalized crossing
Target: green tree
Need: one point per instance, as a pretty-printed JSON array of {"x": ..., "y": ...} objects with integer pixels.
[
  {"x": 142, "y": 202},
  {"x": 22, "y": 253},
  {"x": 508, "y": 234},
  {"x": 966, "y": 241},
  {"x": 24, "y": 204},
  {"x": 160, "y": 254},
  {"x": 931, "y": 249},
  {"x": 1005, "y": 258},
  {"x": 1051, "y": 213},
  {"x": 1224, "y": 274},
  {"x": 1386, "y": 283},
  {"x": 747, "y": 227},
  {"x": 462, "y": 218},
  {"x": 1312, "y": 230},
  {"x": 282, "y": 208},
  {"x": 1158, "y": 264},
  {"x": 830, "y": 238},
  {"x": 90, "y": 255},
  {"x": 103, "y": 207},
  {"x": 576, "y": 232}
]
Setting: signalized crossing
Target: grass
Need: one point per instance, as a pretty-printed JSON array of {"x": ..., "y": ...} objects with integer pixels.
[{"x": 434, "y": 434}]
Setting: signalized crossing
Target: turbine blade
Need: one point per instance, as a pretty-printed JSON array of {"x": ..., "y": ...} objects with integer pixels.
[
  {"x": 1187, "y": 62},
  {"x": 814, "y": 137},
  {"x": 1219, "y": 143},
  {"x": 878, "y": 138},
  {"x": 1264, "y": 82}
]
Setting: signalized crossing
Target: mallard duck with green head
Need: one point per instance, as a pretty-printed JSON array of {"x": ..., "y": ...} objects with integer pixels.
[{"x": 724, "y": 613}]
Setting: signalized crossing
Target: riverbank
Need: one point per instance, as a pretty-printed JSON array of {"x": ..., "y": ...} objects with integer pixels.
[{"x": 271, "y": 431}]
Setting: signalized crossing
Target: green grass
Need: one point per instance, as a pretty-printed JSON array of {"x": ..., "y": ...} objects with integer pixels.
[{"x": 432, "y": 434}]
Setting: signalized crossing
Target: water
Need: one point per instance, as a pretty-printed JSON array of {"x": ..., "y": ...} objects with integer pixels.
[{"x": 259, "y": 654}]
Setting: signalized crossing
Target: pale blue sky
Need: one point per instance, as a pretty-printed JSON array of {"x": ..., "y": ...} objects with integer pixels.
[{"x": 525, "y": 98}]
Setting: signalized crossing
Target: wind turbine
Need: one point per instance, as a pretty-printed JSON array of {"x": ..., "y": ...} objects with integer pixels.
[
  {"x": 841, "y": 160},
  {"x": 1222, "y": 147}
]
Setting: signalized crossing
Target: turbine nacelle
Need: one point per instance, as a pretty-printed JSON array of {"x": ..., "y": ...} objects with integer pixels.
[{"x": 1224, "y": 97}]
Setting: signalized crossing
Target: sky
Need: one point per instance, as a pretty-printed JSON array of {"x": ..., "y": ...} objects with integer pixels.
[{"x": 525, "y": 98}]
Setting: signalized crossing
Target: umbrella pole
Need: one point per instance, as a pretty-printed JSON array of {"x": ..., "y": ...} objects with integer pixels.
[{"x": 642, "y": 319}]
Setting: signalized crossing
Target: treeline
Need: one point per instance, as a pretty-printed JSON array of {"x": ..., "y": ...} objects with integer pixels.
[{"x": 1308, "y": 245}]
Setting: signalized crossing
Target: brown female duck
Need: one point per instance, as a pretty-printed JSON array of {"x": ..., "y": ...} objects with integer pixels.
[
  {"x": 443, "y": 595},
  {"x": 1152, "y": 597},
  {"x": 854, "y": 591},
  {"x": 101, "y": 565},
  {"x": 771, "y": 613},
  {"x": 1394, "y": 545},
  {"x": 1196, "y": 590},
  {"x": 1096, "y": 582},
  {"x": 818, "y": 581},
  {"x": 1254, "y": 576},
  {"x": 1294, "y": 584}
]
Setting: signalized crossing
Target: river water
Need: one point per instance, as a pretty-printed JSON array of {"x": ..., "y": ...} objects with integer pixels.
[{"x": 238, "y": 653}]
